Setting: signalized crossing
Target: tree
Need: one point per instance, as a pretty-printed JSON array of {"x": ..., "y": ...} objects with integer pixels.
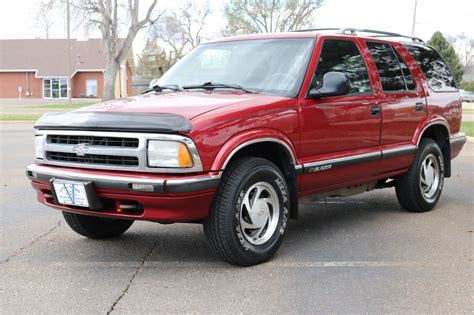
[
  {"x": 446, "y": 50},
  {"x": 464, "y": 46},
  {"x": 180, "y": 31},
  {"x": 109, "y": 16},
  {"x": 257, "y": 16},
  {"x": 43, "y": 18},
  {"x": 151, "y": 62}
]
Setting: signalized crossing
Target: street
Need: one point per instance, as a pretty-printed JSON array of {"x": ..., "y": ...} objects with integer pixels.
[{"x": 361, "y": 254}]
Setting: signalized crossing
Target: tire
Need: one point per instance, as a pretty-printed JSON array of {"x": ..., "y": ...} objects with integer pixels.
[
  {"x": 249, "y": 215},
  {"x": 96, "y": 227},
  {"x": 419, "y": 190}
]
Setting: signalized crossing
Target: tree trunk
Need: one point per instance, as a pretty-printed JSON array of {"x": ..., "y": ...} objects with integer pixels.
[{"x": 110, "y": 74}]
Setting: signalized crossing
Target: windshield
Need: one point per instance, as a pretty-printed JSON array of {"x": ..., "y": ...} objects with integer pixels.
[{"x": 274, "y": 66}]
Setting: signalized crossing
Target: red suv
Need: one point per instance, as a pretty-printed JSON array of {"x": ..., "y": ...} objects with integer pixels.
[{"x": 240, "y": 128}]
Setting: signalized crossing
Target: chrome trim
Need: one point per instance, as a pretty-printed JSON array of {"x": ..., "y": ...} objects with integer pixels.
[
  {"x": 458, "y": 139},
  {"x": 42, "y": 170},
  {"x": 243, "y": 145},
  {"x": 400, "y": 151},
  {"x": 140, "y": 152},
  {"x": 299, "y": 169},
  {"x": 343, "y": 161}
]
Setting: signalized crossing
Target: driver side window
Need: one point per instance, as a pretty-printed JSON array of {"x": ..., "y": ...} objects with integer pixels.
[{"x": 342, "y": 56}]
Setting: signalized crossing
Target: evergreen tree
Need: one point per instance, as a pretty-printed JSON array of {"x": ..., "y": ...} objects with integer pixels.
[
  {"x": 150, "y": 63},
  {"x": 446, "y": 50}
]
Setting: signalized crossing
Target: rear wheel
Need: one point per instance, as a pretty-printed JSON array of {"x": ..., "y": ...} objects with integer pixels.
[
  {"x": 419, "y": 190},
  {"x": 249, "y": 215},
  {"x": 96, "y": 227}
]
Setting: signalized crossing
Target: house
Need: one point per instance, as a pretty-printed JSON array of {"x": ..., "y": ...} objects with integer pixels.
[{"x": 38, "y": 68}]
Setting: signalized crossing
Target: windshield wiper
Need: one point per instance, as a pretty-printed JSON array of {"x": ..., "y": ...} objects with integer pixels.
[
  {"x": 214, "y": 85},
  {"x": 161, "y": 88}
]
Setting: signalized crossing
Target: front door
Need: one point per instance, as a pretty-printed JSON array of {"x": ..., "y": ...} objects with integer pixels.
[{"x": 340, "y": 135}]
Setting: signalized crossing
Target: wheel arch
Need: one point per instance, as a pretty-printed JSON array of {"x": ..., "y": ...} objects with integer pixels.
[
  {"x": 438, "y": 130},
  {"x": 267, "y": 144}
]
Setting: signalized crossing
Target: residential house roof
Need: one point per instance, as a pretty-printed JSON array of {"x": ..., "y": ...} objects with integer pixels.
[{"x": 48, "y": 57}]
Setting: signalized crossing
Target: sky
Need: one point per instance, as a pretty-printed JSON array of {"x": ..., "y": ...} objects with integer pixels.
[{"x": 450, "y": 17}]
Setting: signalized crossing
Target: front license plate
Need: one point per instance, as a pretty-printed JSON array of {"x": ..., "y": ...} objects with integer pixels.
[{"x": 71, "y": 193}]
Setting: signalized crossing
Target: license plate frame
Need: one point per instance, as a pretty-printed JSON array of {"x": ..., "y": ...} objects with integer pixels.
[
  {"x": 71, "y": 193},
  {"x": 88, "y": 193}
]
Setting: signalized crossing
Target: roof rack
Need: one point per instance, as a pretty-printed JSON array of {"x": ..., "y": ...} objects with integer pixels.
[{"x": 354, "y": 31}]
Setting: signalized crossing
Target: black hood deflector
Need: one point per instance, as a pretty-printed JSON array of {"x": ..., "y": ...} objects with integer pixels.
[{"x": 114, "y": 121}]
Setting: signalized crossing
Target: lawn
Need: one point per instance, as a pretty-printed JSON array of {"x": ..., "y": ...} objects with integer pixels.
[
  {"x": 13, "y": 117},
  {"x": 468, "y": 128},
  {"x": 58, "y": 106}
]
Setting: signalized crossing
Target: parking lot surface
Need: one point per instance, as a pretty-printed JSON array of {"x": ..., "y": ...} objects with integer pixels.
[{"x": 361, "y": 254}]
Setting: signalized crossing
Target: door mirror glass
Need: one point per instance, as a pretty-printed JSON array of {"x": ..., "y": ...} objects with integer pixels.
[{"x": 334, "y": 84}]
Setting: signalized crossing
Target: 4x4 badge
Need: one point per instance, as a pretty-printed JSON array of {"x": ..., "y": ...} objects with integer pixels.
[{"x": 81, "y": 149}]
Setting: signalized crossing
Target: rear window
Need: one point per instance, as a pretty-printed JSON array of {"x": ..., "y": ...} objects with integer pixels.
[{"x": 436, "y": 71}]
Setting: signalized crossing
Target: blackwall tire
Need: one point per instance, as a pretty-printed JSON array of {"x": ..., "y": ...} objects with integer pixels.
[
  {"x": 250, "y": 213},
  {"x": 420, "y": 189},
  {"x": 96, "y": 227}
]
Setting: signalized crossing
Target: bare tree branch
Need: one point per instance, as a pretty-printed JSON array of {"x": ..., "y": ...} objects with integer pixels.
[{"x": 256, "y": 16}]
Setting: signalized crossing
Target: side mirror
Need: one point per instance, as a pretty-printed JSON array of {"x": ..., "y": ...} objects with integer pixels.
[
  {"x": 152, "y": 83},
  {"x": 334, "y": 84}
]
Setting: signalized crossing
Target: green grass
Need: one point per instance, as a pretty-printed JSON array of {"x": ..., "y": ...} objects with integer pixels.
[
  {"x": 468, "y": 110},
  {"x": 58, "y": 106},
  {"x": 468, "y": 128},
  {"x": 13, "y": 117}
]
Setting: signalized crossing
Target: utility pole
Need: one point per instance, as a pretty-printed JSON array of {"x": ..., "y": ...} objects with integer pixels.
[
  {"x": 414, "y": 19},
  {"x": 69, "y": 90}
]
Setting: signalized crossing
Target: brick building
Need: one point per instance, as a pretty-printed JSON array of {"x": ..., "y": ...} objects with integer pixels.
[{"x": 38, "y": 68}]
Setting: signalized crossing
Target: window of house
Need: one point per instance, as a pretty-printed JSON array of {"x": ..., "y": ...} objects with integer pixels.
[
  {"x": 91, "y": 88},
  {"x": 342, "y": 56},
  {"x": 388, "y": 67},
  {"x": 55, "y": 88},
  {"x": 436, "y": 71}
]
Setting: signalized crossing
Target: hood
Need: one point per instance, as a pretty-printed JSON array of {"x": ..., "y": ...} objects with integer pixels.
[{"x": 186, "y": 104}]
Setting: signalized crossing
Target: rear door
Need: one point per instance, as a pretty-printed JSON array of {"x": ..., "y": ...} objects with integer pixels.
[{"x": 403, "y": 105}]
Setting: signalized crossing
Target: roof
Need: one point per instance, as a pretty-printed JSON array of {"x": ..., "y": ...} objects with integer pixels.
[{"x": 48, "y": 57}]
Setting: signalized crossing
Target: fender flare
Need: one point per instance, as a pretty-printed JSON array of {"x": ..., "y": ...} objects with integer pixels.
[
  {"x": 246, "y": 138},
  {"x": 427, "y": 123}
]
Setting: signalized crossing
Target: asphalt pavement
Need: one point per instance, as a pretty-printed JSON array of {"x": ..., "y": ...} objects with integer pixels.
[{"x": 361, "y": 254}]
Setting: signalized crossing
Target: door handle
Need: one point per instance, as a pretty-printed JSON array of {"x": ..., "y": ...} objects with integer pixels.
[
  {"x": 375, "y": 110},
  {"x": 420, "y": 106}
]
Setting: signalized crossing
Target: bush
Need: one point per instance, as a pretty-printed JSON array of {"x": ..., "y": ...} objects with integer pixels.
[{"x": 467, "y": 85}]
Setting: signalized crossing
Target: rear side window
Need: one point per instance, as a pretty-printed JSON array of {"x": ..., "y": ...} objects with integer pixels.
[
  {"x": 343, "y": 56},
  {"x": 409, "y": 81},
  {"x": 434, "y": 68},
  {"x": 393, "y": 72}
]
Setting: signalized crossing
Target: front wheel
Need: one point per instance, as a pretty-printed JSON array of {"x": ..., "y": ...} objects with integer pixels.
[
  {"x": 419, "y": 190},
  {"x": 96, "y": 227},
  {"x": 249, "y": 216}
]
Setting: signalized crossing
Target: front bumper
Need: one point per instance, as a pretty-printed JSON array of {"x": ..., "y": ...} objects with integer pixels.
[{"x": 155, "y": 198}]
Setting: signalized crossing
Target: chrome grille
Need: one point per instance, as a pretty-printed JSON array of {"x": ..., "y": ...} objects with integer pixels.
[
  {"x": 108, "y": 150},
  {"x": 93, "y": 159},
  {"x": 94, "y": 140}
]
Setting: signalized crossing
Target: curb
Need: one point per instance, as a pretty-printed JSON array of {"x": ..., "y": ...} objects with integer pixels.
[{"x": 470, "y": 139}]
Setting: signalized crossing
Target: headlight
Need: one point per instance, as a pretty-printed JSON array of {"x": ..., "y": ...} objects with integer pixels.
[
  {"x": 168, "y": 154},
  {"x": 39, "y": 147}
]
